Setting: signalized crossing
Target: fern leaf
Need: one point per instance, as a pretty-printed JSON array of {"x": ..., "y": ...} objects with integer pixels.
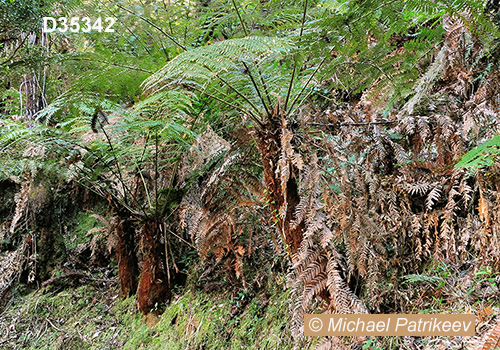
[
  {"x": 482, "y": 155},
  {"x": 202, "y": 64},
  {"x": 492, "y": 338},
  {"x": 433, "y": 197}
]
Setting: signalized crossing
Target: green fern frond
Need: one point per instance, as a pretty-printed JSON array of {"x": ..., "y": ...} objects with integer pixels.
[
  {"x": 200, "y": 65},
  {"x": 169, "y": 103},
  {"x": 483, "y": 155},
  {"x": 73, "y": 108}
]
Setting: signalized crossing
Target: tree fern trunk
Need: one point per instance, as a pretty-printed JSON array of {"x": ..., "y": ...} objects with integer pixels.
[
  {"x": 127, "y": 259},
  {"x": 271, "y": 149},
  {"x": 154, "y": 288},
  {"x": 269, "y": 144}
]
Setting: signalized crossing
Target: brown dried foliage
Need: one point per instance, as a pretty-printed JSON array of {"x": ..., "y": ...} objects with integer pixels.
[
  {"x": 491, "y": 340},
  {"x": 219, "y": 211},
  {"x": 379, "y": 203}
]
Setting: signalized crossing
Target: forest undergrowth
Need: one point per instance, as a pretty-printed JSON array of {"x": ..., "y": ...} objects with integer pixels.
[{"x": 214, "y": 170}]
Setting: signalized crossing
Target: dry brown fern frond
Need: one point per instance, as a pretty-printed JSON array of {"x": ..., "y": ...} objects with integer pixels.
[
  {"x": 491, "y": 340},
  {"x": 9, "y": 269},
  {"x": 343, "y": 300},
  {"x": 310, "y": 191},
  {"x": 207, "y": 147},
  {"x": 104, "y": 238},
  {"x": 219, "y": 210},
  {"x": 289, "y": 162}
]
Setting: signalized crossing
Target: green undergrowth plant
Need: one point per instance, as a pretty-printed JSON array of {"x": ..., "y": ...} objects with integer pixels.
[
  {"x": 483, "y": 155},
  {"x": 197, "y": 319},
  {"x": 87, "y": 317},
  {"x": 84, "y": 226},
  {"x": 93, "y": 317}
]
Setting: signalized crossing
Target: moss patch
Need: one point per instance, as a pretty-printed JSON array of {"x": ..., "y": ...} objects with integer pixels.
[
  {"x": 199, "y": 320},
  {"x": 83, "y": 222},
  {"x": 92, "y": 318}
]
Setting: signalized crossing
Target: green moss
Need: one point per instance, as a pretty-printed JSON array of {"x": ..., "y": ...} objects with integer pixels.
[
  {"x": 91, "y": 318},
  {"x": 199, "y": 320},
  {"x": 83, "y": 222},
  {"x": 82, "y": 318}
]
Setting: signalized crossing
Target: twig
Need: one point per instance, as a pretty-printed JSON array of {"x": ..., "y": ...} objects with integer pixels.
[
  {"x": 41, "y": 331},
  {"x": 103, "y": 280},
  {"x": 76, "y": 274},
  {"x": 182, "y": 239},
  {"x": 13, "y": 53},
  {"x": 60, "y": 330}
]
